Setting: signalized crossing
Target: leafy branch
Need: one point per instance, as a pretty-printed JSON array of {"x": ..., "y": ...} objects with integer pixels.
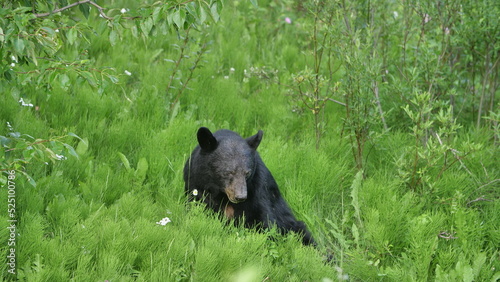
[{"x": 99, "y": 8}]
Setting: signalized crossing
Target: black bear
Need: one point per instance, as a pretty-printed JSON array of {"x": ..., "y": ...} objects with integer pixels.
[{"x": 227, "y": 174}]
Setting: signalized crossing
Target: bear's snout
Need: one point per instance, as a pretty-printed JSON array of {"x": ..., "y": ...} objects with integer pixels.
[{"x": 236, "y": 191}]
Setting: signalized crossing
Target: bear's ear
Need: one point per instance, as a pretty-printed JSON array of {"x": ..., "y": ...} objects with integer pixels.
[
  {"x": 206, "y": 139},
  {"x": 254, "y": 141}
]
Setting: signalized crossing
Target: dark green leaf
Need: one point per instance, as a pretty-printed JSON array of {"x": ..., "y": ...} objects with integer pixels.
[{"x": 85, "y": 9}]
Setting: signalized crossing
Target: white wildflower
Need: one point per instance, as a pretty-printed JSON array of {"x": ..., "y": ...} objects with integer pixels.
[
  {"x": 123, "y": 10},
  {"x": 231, "y": 70},
  {"x": 226, "y": 77},
  {"x": 13, "y": 65},
  {"x": 195, "y": 192},
  {"x": 128, "y": 73},
  {"x": 25, "y": 104},
  {"x": 60, "y": 157},
  {"x": 395, "y": 14},
  {"x": 164, "y": 221},
  {"x": 427, "y": 18}
]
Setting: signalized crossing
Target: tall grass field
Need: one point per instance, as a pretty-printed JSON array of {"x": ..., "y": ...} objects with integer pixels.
[{"x": 380, "y": 123}]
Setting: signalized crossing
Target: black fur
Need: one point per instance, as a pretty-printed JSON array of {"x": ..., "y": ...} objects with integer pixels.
[{"x": 226, "y": 172}]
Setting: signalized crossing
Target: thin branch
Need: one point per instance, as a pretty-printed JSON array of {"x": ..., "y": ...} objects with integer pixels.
[
  {"x": 335, "y": 101},
  {"x": 73, "y": 5},
  {"x": 487, "y": 184},
  {"x": 447, "y": 235},
  {"x": 479, "y": 199}
]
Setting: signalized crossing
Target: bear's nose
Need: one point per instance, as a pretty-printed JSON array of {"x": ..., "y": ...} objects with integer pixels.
[{"x": 240, "y": 198}]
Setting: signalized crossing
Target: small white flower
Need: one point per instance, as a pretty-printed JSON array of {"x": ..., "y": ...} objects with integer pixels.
[
  {"x": 226, "y": 77},
  {"x": 128, "y": 73},
  {"x": 25, "y": 104},
  {"x": 14, "y": 59},
  {"x": 123, "y": 10},
  {"x": 57, "y": 30},
  {"x": 164, "y": 221},
  {"x": 195, "y": 192},
  {"x": 395, "y": 14},
  {"x": 446, "y": 31},
  {"x": 60, "y": 157},
  {"x": 13, "y": 65},
  {"x": 427, "y": 18},
  {"x": 231, "y": 69}
]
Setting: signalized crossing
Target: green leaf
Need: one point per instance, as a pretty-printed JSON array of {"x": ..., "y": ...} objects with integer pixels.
[
  {"x": 113, "y": 37},
  {"x": 175, "y": 111},
  {"x": 71, "y": 35},
  {"x": 31, "y": 52},
  {"x": 71, "y": 150},
  {"x": 254, "y": 3},
  {"x": 356, "y": 185},
  {"x": 203, "y": 15},
  {"x": 142, "y": 169},
  {"x": 146, "y": 26},
  {"x": 76, "y": 136},
  {"x": 29, "y": 178},
  {"x": 113, "y": 79},
  {"x": 2, "y": 37},
  {"x": 214, "y": 11},
  {"x": 179, "y": 17},
  {"x": 89, "y": 77},
  {"x": 18, "y": 45},
  {"x": 82, "y": 147},
  {"x": 125, "y": 161},
  {"x": 49, "y": 30},
  {"x": 85, "y": 9}
]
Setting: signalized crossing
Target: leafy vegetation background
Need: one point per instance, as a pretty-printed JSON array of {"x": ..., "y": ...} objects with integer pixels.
[{"x": 380, "y": 123}]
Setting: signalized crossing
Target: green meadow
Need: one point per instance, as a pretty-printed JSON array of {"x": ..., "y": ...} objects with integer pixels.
[{"x": 380, "y": 123}]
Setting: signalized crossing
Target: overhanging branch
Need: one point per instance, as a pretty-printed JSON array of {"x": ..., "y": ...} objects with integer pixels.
[{"x": 73, "y": 5}]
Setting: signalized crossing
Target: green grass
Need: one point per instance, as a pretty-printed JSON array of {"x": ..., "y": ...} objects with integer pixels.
[{"x": 94, "y": 219}]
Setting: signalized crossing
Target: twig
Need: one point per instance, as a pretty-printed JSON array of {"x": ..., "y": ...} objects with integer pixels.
[
  {"x": 457, "y": 157},
  {"x": 73, "y": 5},
  {"x": 191, "y": 72},
  {"x": 177, "y": 66},
  {"x": 446, "y": 235},
  {"x": 487, "y": 184},
  {"x": 335, "y": 101},
  {"x": 478, "y": 199},
  {"x": 379, "y": 106}
]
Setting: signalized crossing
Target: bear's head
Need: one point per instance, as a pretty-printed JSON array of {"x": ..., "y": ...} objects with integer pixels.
[{"x": 230, "y": 162}]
